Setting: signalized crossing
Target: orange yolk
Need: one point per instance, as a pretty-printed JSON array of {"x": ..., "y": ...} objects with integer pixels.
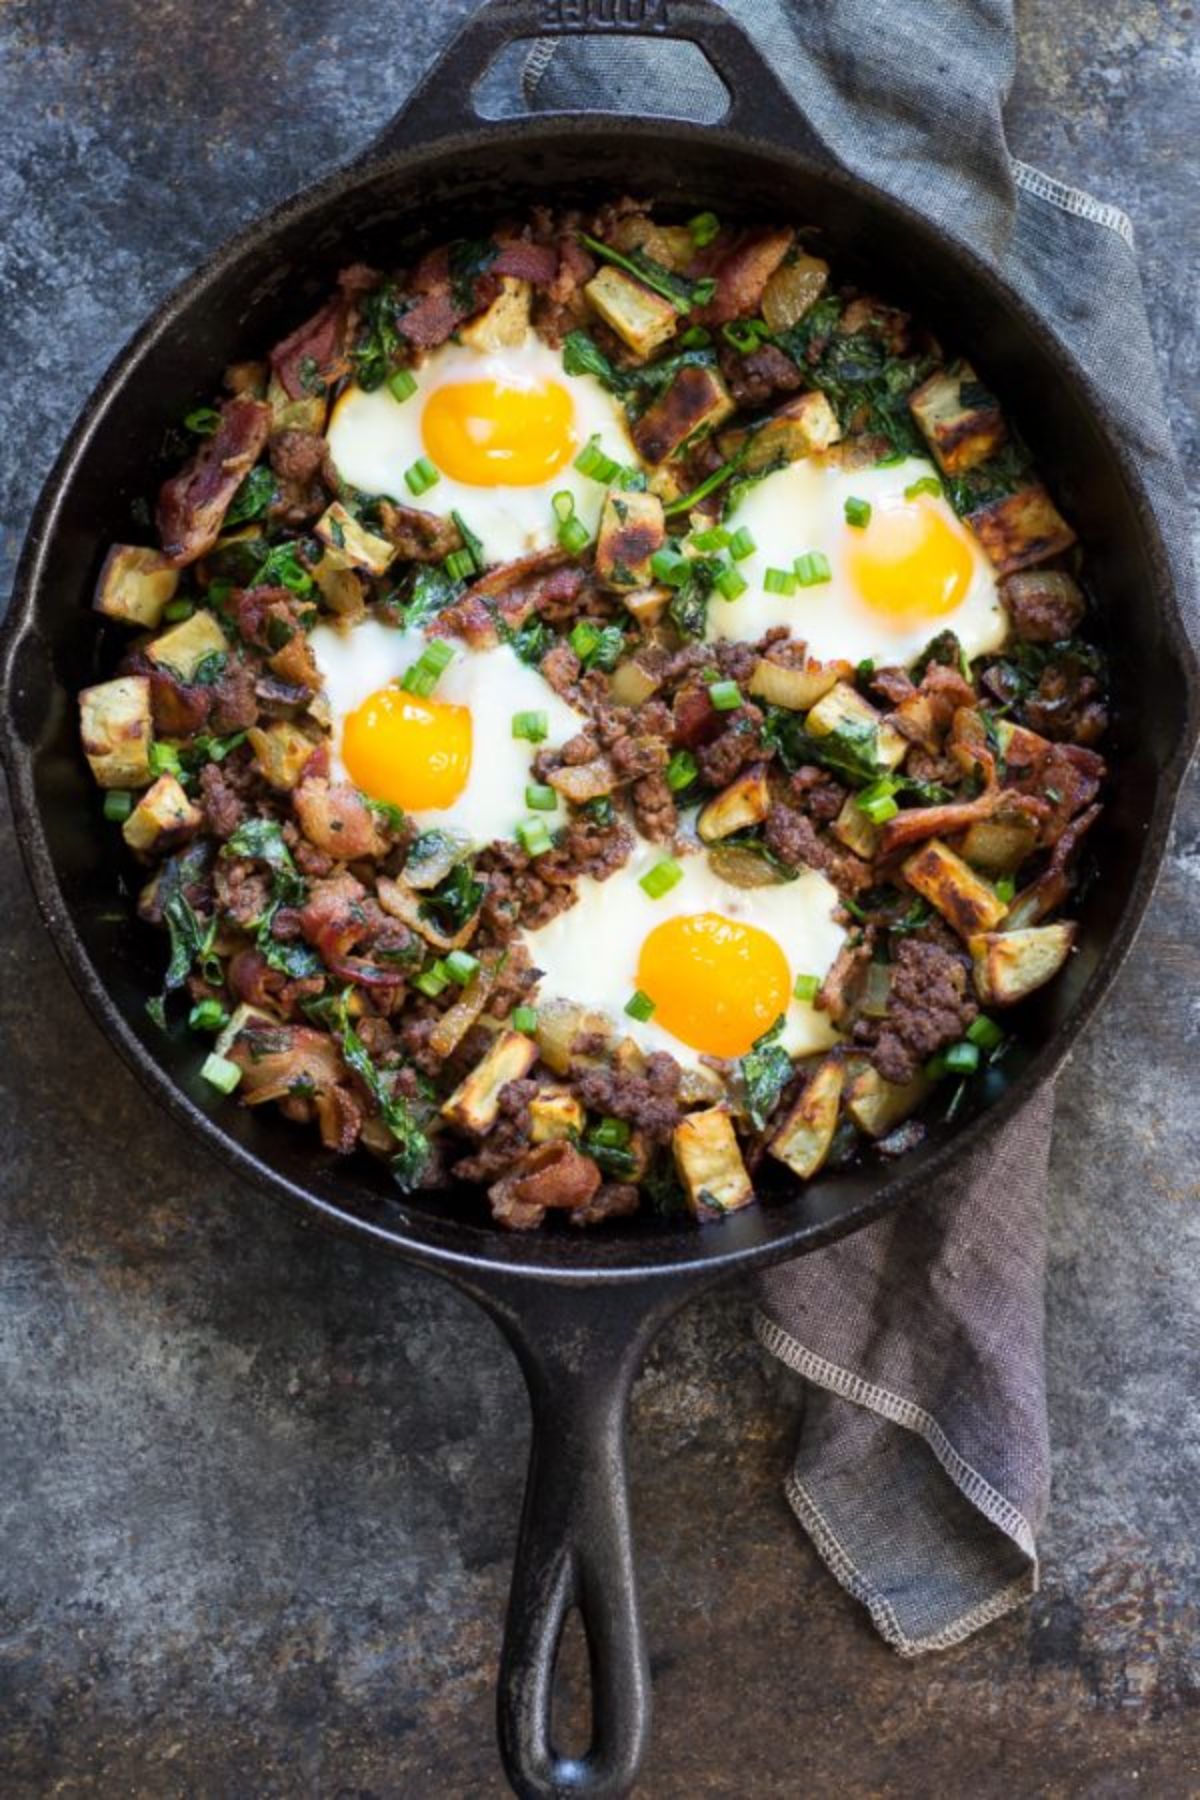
[
  {"x": 909, "y": 562},
  {"x": 490, "y": 434},
  {"x": 413, "y": 753},
  {"x": 716, "y": 984}
]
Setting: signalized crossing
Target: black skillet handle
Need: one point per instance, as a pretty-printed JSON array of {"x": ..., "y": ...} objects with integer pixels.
[
  {"x": 580, "y": 1349},
  {"x": 444, "y": 102}
]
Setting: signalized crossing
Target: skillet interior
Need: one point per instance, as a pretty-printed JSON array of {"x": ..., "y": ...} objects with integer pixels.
[{"x": 263, "y": 286}]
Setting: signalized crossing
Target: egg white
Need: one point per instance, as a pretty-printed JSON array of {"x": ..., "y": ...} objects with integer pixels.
[
  {"x": 589, "y": 954},
  {"x": 356, "y": 660},
  {"x": 801, "y": 508},
  {"x": 373, "y": 438}
]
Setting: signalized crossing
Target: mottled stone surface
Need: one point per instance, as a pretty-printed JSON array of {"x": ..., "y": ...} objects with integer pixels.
[{"x": 257, "y": 1488}]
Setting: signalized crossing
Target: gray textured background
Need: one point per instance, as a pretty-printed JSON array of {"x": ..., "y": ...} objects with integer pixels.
[{"x": 257, "y": 1490}]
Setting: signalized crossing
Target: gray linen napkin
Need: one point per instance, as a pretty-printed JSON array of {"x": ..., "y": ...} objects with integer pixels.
[{"x": 923, "y": 1468}]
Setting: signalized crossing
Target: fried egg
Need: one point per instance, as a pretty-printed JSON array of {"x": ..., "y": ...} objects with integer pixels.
[
  {"x": 911, "y": 570},
  {"x": 502, "y": 428},
  {"x": 447, "y": 758},
  {"x": 719, "y": 962}
]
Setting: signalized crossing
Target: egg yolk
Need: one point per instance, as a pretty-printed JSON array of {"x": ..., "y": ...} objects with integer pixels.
[
  {"x": 413, "y": 753},
  {"x": 499, "y": 434},
  {"x": 909, "y": 562},
  {"x": 716, "y": 984}
]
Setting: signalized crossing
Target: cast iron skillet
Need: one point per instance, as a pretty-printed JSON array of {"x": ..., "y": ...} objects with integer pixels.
[{"x": 579, "y": 1312}]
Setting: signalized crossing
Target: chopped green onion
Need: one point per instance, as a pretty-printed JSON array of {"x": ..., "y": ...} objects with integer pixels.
[
  {"x": 422, "y": 676},
  {"x": 164, "y": 760},
  {"x": 584, "y": 639},
  {"x": 681, "y": 771},
  {"x": 704, "y": 228},
  {"x": 432, "y": 981},
  {"x": 460, "y": 565},
  {"x": 696, "y": 337},
  {"x": 807, "y": 987},
  {"x": 118, "y": 804},
  {"x": 220, "y": 1073},
  {"x": 533, "y": 837},
  {"x": 669, "y": 567},
  {"x": 880, "y": 809},
  {"x": 726, "y": 696},
  {"x": 540, "y": 798},
  {"x": 746, "y": 334},
  {"x": 524, "y": 1018},
  {"x": 935, "y": 1068},
  {"x": 460, "y": 966},
  {"x": 731, "y": 583},
  {"x": 985, "y": 1032},
  {"x": 208, "y": 1015},
  {"x": 639, "y": 1005},
  {"x": 563, "y": 504},
  {"x": 593, "y": 463},
  {"x": 891, "y": 459},
  {"x": 779, "y": 581},
  {"x": 865, "y": 669},
  {"x": 611, "y": 1134},
  {"x": 812, "y": 568},
  {"x": 204, "y": 420},
  {"x": 928, "y": 484},
  {"x": 1006, "y": 889},
  {"x": 702, "y": 292},
  {"x": 470, "y": 542},
  {"x": 661, "y": 878},
  {"x": 421, "y": 476},
  {"x": 717, "y": 538},
  {"x": 574, "y": 536},
  {"x": 962, "y": 1059},
  {"x": 742, "y": 544},
  {"x": 402, "y": 385},
  {"x": 177, "y": 610},
  {"x": 533, "y": 727},
  {"x": 858, "y": 512}
]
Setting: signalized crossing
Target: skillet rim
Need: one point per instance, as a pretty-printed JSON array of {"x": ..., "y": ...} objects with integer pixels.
[{"x": 689, "y": 1254}]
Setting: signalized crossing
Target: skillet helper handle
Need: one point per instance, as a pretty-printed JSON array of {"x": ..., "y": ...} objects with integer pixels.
[
  {"x": 444, "y": 102},
  {"x": 580, "y": 1349}
]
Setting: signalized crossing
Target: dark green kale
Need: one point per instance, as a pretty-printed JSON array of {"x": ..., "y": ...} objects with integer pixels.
[
  {"x": 763, "y": 1073},
  {"x": 253, "y": 497}
]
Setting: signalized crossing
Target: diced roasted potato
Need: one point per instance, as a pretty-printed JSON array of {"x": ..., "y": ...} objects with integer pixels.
[
  {"x": 1025, "y": 528},
  {"x": 802, "y": 425},
  {"x": 116, "y": 728},
  {"x": 505, "y": 324},
  {"x": 633, "y": 681},
  {"x": 643, "y": 319},
  {"x": 339, "y": 584},
  {"x": 164, "y": 815},
  {"x": 561, "y": 1025},
  {"x": 1018, "y": 744},
  {"x": 803, "y": 1140},
  {"x": 710, "y": 1164},
  {"x": 1010, "y": 964},
  {"x": 745, "y": 802},
  {"x": 960, "y": 433},
  {"x": 670, "y": 245},
  {"x": 281, "y": 752},
  {"x": 581, "y": 782},
  {"x": 554, "y": 1113},
  {"x": 305, "y": 414},
  {"x": 184, "y": 647},
  {"x": 362, "y": 549},
  {"x": 797, "y": 688},
  {"x": 629, "y": 1057},
  {"x": 877, "y": 1106},
  {"x": 632, "y": 528},
  {"x": 694, "y": 401},
  {"x": 946, "y": 881},
  {"x": 135, "y": 584},
  {"x": 475, "y": 1102},
  {"x": 795, "y": 286},
  {"x": 239, "y": 1019},
  {"x": 844, "y": 709},
  {"x": 700, "y": 1086},
  {"x": 648, "y": 605},
  {"x": 1000, "y": 845},
  {"x": 853, "y": 828}
]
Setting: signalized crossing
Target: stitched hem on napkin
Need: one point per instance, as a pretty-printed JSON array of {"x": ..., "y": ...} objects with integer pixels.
[{"x": 970, "y": 1483}]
